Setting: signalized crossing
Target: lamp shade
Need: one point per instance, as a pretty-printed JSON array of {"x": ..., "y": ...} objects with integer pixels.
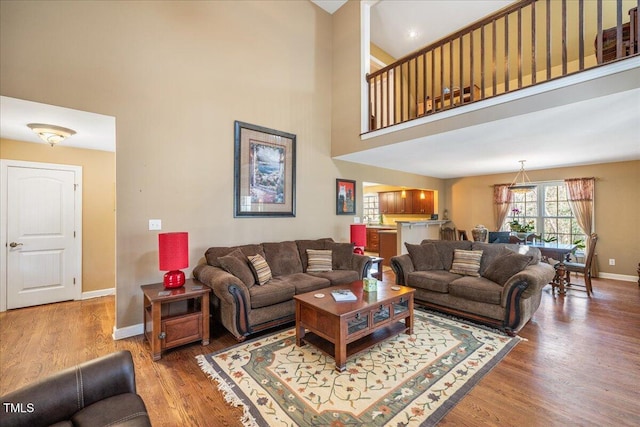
[
  {"x": 359, "y": 235},
  {"x": 173, "y": 251}
]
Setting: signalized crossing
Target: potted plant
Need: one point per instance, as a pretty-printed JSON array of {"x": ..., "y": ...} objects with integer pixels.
[{"x": 518, "y": 227}]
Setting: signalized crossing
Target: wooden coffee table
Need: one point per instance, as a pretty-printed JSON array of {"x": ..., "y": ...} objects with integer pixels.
[{"x": 342, "y": 329}]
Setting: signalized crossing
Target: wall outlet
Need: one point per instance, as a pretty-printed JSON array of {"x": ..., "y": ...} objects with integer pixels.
[
  {"x": 612, "y": 261},
  {"x": 155, "y": 224}
]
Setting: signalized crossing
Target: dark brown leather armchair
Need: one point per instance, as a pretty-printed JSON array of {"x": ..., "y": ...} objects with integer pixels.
[{"x": 95, "y": 393}]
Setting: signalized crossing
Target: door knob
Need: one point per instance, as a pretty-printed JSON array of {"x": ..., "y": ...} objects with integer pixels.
[{"x": 14, "y": 244}]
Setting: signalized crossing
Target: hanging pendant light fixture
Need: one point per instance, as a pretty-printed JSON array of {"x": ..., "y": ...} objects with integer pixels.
[
  {"x": 521, "y": 183},
  {"x": 50, "y": 133}
]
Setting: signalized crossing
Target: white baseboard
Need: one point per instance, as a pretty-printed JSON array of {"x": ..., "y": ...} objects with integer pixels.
[
  {"x": 622, "y": 277},
  {"x": 98, "y": 293},
  {"x": 128, "y": 331}
]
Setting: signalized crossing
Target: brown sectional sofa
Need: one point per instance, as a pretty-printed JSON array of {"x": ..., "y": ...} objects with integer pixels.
[
  {"x": 245, "y": 307},
  {"x": 505, "y": 293}
]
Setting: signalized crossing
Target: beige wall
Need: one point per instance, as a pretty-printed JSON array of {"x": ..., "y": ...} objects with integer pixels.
[
  {"x": 617, "y": 202},
  {"x": 98, "y": 204},
  {"x": 176, "y": 75}
]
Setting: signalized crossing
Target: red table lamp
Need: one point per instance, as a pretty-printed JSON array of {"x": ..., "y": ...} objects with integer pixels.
[
  {"x": 359, "y": 238},
  {"x": 174, "y": 255}
]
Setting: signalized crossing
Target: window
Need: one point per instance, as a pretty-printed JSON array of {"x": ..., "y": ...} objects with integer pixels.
[
  {"x": 549, "y": 211},
  {"x": 371, "y": 210}
]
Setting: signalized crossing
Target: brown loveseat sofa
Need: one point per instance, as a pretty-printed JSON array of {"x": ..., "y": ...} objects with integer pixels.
[
  {"x": 244, "y": 307},
  {"x": 504, "y": 291},
  {"x": 99, "y": 392}
]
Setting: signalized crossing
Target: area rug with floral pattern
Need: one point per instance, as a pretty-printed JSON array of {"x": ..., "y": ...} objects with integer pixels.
[{"x": 406, "y": 380}]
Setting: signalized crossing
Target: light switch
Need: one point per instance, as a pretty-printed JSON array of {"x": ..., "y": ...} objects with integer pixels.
[{"x": 155, "y": 224}]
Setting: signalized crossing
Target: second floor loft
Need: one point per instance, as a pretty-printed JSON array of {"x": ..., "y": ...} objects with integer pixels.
[{"x": 527, "y": 43}]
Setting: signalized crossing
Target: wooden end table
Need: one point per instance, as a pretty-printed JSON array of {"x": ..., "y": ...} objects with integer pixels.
[
  {"x": 174, "y": 317},
  {"x": 342, "y": 329},
  {"x": 377, "y": 261}
]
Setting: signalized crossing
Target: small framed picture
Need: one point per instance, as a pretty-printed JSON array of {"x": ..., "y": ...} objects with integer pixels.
[{"x": 345, "y": 197}]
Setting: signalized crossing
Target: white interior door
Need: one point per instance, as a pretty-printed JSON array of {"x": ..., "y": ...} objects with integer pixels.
[{"x": 42, "y": 237}]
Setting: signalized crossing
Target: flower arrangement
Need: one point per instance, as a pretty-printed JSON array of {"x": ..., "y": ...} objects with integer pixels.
[{"x": 517, "y": 226}]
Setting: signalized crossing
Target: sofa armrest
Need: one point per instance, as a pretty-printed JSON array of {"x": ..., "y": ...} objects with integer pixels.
[
  {"x": 58, "y": 397},
  {"x": 234, "y": 297},
  {"x": 536, "y": 276},
  {"x": 521, "y": 294},
  {"x": 361, "y": 264},
  {"x": 402, "y": 265}
]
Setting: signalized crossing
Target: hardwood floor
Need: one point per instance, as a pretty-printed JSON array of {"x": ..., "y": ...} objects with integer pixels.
[{"x": 579, "y": 365}]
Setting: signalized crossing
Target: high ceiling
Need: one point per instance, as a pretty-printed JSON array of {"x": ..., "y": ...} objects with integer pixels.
[
  {"x": 400, "y": 27},
  {"x": 600, "y": 127},
  {"x": 588, "y": 126}
]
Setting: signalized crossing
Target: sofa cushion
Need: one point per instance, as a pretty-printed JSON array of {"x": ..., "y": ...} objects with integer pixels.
[
  {"x": 305, "y": 282},
  {"x": 424, "y": 257},
  {"x": 446, "y": 247},
  {"x": 274, "y": 292},
  {"x": 319, "y": 260},
  {"x": 476, "y": 289},
  {"x": 260, "y": 269},
  {"x": 283, "y": 258},
  {"x": 338, "y": 277},
  {"x": 433, "y": 280},
  {"x": 237, "y": 264},
  {"x": 506, "y": 265},
  {"x": 466, "y": 262},
  {"x": 342, "y": 255},
  {"x": 534, "y": 253},
  {"x": 212, "y": 254},
  {"x": 119, "y": 410},
  {"x": 317, "y": 244}
]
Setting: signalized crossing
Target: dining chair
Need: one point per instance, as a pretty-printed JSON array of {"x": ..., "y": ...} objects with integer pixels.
[
  {"x": 448, "y": 233},
  {"x": 462, "y": 235},
  {"x": 585, "y": 269}
]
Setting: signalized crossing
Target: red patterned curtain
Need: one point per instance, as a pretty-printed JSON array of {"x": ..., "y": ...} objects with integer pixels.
[
  {"x": 502, "y": 199},
  {"x": 580, "y": 192}
]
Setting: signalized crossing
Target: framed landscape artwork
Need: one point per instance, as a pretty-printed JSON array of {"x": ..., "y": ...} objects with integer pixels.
[
  {"x": 264, "y": 172},
  {"x": 345, "y": 197}
]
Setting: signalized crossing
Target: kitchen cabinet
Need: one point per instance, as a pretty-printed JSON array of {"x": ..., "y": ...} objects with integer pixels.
[
  {"x": 372, "y": 240},
  {"x": 422, "y": 206},
  {"x": 392, "y": 202},
  {"x": 403, "y": 205},
  {"x": 387, "y": 202}
]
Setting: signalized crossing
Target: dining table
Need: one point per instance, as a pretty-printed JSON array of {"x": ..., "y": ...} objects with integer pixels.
[{"x": 560, "y": 252}]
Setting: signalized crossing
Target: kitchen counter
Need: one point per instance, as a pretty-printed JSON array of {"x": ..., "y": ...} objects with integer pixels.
[
  {"x": 416, "y": 231},
  {"x": 426, "y": 222}
]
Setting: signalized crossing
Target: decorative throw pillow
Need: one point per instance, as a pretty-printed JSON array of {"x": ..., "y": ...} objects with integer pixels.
[
  {"x": 342, "y": 255},
  {"x": 466, "y": 262},
  {"x": 260, "y": 269},
  {"x": 424, "y": 257},
  {"x": 319, "y": 260},
  {"x": 505, "y": 266},
  {"x": 237, "y": 264}
]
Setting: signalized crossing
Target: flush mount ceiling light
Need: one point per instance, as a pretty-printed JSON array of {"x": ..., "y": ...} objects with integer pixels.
[
  {"x": 523, "y": 185},
  {"x": 50, "y": 133}
]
